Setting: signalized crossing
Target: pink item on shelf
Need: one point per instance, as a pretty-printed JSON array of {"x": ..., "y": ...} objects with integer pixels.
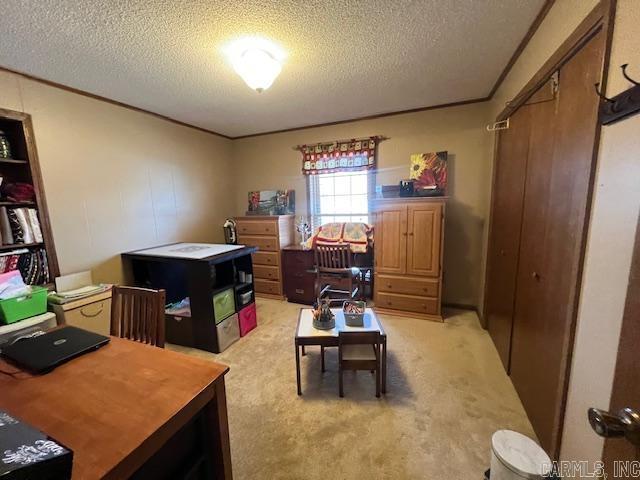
[{"x": 248, "y": 319}]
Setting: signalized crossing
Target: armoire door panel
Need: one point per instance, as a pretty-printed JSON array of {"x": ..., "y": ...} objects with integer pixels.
[
  {"x": 504, "y": 238},
  {"x": 424, "y": 228},
  {"x": 391, "y": 241},
  {"x": 554, "y": 234}
]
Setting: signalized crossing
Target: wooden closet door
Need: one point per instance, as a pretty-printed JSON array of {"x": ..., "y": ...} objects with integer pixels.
[
  {"x": 554, "y": 227},
  {"x": 528, "y": 323},
  {"x": 391, "y": 240},
  {"x": 424, "y": 230},
  {"x": 504, "y": 235}
]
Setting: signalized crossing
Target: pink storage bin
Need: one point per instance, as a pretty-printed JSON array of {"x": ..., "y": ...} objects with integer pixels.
[{"x": 248, "y": 319}]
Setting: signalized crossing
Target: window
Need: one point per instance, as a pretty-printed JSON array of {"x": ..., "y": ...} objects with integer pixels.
[{"x": 340, "y": 197}]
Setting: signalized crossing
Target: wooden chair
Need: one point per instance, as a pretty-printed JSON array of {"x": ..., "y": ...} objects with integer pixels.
[
  {"x": 335, "y": 274},
  {"x": 138, "y": 314},
  {"x": 359, "y": 351}
]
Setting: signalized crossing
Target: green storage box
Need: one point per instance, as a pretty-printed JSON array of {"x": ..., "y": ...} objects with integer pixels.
[
  {"x": 19, "y": 308},
  {"x": 224, "y": 304}
]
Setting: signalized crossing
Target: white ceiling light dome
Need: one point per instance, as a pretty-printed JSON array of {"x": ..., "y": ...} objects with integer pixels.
[{"x": 258, "y": 61}]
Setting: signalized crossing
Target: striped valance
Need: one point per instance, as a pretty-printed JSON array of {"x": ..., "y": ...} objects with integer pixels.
[{"x": 339, "y": 156}]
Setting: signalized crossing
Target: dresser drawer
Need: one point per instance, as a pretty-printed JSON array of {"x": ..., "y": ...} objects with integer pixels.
[
  {"x": 266, "y": 258},
  {"x": 424, "y": 287},
  {"x": 257, "y": 227},
  {"x": 267, "y": 273},
  {"x": 408, "y": 303},
  {"x": 269, "y": 244},
  {"x": 267, "y": 286}
]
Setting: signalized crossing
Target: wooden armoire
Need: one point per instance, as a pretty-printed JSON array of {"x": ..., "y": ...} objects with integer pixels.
[
  {"x": 408, "y": 256},
  {"x": 543, "y": 175}
]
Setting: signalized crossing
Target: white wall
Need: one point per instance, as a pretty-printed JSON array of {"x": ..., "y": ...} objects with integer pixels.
[
  {"x": 119, "y": 180},
  {"x": 614, "y": 215}
]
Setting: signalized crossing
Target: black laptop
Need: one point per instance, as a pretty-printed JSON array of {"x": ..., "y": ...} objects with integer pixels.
[{"x": 44, "y": 353}]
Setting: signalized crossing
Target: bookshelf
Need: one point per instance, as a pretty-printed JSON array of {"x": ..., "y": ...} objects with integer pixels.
[{"x": 23, "y": 167}]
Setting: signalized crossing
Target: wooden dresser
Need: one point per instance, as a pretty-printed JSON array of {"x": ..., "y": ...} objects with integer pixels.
[
  {"x": 408, "y": 256},
  {"x": 269, "y": 234}
]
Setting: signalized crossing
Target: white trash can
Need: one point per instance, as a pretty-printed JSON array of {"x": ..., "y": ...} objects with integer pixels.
[{"x": 515, "y": 456}]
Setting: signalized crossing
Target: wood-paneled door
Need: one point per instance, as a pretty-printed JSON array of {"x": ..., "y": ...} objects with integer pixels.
[
  {"x": 504, "y": 235},
  {"x": 554, "y": 223},
  {"x": 424, "y": 223},
  {"x": 543, "y": 179},
  {"x": 391, "y": 240}
]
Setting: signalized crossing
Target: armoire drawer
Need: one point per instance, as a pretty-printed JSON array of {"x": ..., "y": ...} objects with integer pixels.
[
  {"x": 266, "y": 258},
  {"x": 267, "y": 273},
  {"x": 269, "y": 244},
  {"x": 408, "y": 303},
  {"x": 267, "y": 286},
  {"x": 257, "y": 227},
  {"x": 426, "y": 287}
]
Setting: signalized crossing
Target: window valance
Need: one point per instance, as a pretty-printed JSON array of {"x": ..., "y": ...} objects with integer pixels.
[{"x": 339, "y": 156}]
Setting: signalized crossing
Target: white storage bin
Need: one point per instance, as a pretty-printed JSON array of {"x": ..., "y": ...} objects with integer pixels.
[{"x": 228, "y": 332}]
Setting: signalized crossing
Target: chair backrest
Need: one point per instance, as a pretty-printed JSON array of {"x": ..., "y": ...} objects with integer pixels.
[
  {"x": 138, "y": 314},
  {"x": 359, "y": 338},
  {"x": 333, "y": 258}
]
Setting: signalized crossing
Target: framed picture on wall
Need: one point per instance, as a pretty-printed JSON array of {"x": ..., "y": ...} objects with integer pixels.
[
  {"x": 272, "y": 202},
  {"x": 429, "y": 172}
]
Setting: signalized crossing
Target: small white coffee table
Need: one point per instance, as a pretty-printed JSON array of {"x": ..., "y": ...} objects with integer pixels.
[{"x": 307, "y": 334}]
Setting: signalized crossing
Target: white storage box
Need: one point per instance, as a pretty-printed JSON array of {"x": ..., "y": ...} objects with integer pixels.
[
  {"x": 228, "y": 332},
  {"x": 90, "y": 313}
]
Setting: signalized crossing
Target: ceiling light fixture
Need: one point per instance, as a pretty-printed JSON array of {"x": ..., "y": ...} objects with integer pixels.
[{"x": 258, "y": 61}]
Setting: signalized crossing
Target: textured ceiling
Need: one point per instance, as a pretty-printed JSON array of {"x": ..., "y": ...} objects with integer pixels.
[{"x": 346, "y": 58}]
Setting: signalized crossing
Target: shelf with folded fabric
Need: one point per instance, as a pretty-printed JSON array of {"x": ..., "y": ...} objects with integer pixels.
[
  {"x": 16, "y": 246},
  {"x": 23, "y": 207}
]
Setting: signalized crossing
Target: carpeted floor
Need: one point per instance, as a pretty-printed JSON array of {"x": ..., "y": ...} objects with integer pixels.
[{"x": 446, "y": 394}]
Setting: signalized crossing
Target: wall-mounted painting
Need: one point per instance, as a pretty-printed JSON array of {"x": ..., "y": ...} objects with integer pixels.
[
  {"x": 272, "y": 202},
  {"x": 429, "y": 172}
]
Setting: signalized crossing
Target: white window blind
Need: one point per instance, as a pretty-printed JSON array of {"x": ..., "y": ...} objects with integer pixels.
[{"x": 340, "y": 197}]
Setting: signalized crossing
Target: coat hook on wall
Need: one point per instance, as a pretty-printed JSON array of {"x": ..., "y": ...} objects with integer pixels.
[
  {"x": 624, "y": 74},
  {"x": 601, "y": 95},
  {"x": 502, "y": 125}
]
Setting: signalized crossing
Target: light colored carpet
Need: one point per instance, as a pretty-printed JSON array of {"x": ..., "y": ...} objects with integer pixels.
[{"x": 446, "y": 394}]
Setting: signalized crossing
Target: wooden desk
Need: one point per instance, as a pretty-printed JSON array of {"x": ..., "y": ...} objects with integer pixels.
[
  {"x": 129, "y": 410},
  {"x": 307, "y": 334},
  {"x": 299, "y": 272}
]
